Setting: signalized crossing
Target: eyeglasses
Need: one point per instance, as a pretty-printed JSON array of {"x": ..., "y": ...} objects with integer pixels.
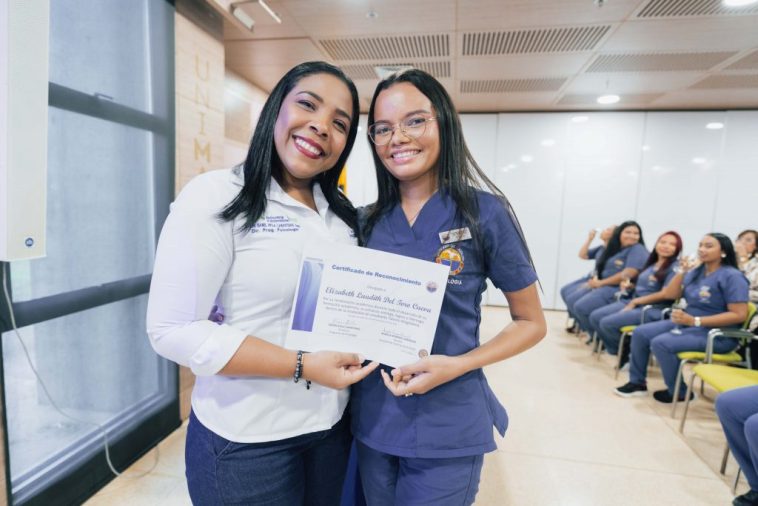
[{"x": 414, "y": 127}]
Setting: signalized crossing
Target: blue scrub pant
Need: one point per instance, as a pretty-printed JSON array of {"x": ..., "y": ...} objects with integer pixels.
[
  {"x": 738, "y": 412},
  {"x": 657, "y": 337},
  {"x": 607, "y": 321},
  {"x": 307, "y": 469},
  {"x": 570, "y": 289},
  {"x": 389, "y": 480},
  {"x": 595, "y": 298}
]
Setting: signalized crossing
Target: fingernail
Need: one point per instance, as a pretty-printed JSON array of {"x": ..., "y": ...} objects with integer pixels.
[{"x": 361, "y": 358}]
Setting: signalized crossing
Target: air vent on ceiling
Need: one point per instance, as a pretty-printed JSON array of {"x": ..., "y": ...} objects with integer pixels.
[
  {"x": 383, "y": 48},
  {"x": 749, "y": 62},
  {"x": 546, "y": 40},
  {"x": 657, "y": 62},
  {"x": 680, "y": 8},
  {"x": 591, "y": 100},
  {"x": 512, "y": 85},
  {"x": 439, "y": 69},
  {"x": 727, "y": 81}
]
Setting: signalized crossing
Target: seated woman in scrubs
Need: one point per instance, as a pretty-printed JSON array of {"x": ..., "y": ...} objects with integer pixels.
[
  {"x": 716, "y": 293},
  {"x": 259, "y": 432},
  {"x": 746, "y": 248},
  {"x": 422, "y": 429},
  {"x": 578, "y": 287},
  {"x": 657, "y": 272},
  {"x": 623, "y": 258}
]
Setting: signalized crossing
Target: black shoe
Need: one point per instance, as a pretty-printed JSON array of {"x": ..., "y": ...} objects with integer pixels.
[
  {"x": 748, "y": 499},
  {"x": 631, "y": 390},
  {"x": 666, "y": 398},
  {"x": 570, "y": 324}
]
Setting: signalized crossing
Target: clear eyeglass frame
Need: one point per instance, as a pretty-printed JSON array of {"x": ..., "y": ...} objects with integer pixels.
[{"x": 413, "y": 131}]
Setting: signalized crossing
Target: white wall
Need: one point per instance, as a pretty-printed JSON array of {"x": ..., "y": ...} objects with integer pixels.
[{"x": 564, "y": 177}]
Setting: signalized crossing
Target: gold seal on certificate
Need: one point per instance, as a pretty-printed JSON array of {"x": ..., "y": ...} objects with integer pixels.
[{"x": 378, "y": 304}]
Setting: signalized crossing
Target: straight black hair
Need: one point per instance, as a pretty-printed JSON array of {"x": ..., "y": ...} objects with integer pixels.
[
  {"x": 614, "y": 244},
  {"x": 727, "y": 249},
  {"x": 263, "y": 162},
  {"x": 458, "y": 174}
]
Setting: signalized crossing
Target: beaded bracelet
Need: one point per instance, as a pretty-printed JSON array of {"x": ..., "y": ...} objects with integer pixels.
[{"x": 299, "y": 369}]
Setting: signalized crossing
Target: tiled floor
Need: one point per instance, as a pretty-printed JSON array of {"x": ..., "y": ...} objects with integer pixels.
[{"x": 570, "y": 440}]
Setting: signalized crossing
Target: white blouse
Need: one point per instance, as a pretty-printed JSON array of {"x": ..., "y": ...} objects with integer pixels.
[{"x": 202, "y": 261}]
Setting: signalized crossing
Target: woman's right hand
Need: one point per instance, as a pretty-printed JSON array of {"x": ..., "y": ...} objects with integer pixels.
[
  {"x": 591, "y": 235},
  {"x": 631, "y": 305},
  {"x": 335, "y": 369}
]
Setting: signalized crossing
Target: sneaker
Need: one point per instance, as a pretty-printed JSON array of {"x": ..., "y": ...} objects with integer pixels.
[
  {"x": 748, "y": 499},
  {"x": 570, "y": 324},
  {"x": 666, "y": 398},
  {"x": 631, "y": 390}
]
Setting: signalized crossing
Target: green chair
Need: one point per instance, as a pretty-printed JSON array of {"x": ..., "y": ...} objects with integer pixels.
[
  {"x": 708, "y": 357},
  {"x": 626, "y": 333}
]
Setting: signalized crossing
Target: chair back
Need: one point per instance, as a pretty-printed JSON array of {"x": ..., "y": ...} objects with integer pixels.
[{"x": 750, "y": 313}]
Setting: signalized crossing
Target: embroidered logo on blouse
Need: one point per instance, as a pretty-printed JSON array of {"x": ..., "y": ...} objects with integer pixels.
[
  {"x": 618, "y": 262},
  {"x": 652, "y": 280},
  {"x": 452, "y": 257},
  {"x": 705, "y": 293},
  {"x": 275, "y": 224}
]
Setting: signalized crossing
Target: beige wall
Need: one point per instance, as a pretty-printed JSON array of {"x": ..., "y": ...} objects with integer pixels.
[{"x": 209, "y": 102}]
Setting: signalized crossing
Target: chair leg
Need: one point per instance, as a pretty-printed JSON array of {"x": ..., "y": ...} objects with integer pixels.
[
  {"x": 722, "y": 470},
  {"x": 622, "y": 341},
  {"x": 736, "y": 480},
  {"x": 677, "y": 387},
  {"x": 600, "y": 347},
  {"x": 687, "y": 403}
]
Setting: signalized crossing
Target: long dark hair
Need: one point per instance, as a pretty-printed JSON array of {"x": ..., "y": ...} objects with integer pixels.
[
  {"x": 755, "y": 239},
  {"x": 727, "y": 249},
  {"x": 614, "y": 244},
  {"x": 458, "y": 174},
  {"x": 263, "y": 162},
  {"x": 660, "y": 273}
]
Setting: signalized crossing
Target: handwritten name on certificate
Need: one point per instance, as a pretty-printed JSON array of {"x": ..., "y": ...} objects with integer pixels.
[{"x": 378, "y": 304}]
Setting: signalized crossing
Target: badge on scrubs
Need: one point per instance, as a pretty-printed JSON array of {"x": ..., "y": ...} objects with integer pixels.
[
  {"x": 705, "y": 293},
  {"x": 452, "y": 257},
  {"x": 618, "y": 262},
  {"x": 457, "y": 235}
]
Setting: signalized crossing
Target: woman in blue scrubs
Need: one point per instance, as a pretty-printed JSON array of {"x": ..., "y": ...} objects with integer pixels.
[
  {"x": 657, "y": 272},
  {"x": 578, "y": 287},
  {"x": 738, "y": 413},
  {"x": 623, "y": 258},
  {"x": 716, "y": 293},
  {"x": 422, "y": 429}
]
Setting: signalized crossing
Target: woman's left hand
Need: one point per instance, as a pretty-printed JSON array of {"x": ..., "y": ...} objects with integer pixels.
[
  {"x": 679, "y": 317},
  {"x": 422, "y": 376}
]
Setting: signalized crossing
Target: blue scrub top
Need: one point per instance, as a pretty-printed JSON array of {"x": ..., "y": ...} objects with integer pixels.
[
  {"x": 595, "y": 254},
  {"x": 633, "y": 256},
  {"x": 648, "y": 283},
  {"x": 456, "y": 418},
  {"x": 709, "y": 295}
]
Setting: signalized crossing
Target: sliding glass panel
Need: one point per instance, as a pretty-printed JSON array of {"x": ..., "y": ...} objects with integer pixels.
[
  {"x": 99, "y": 368},
  {"x": 100, "y": 212}
]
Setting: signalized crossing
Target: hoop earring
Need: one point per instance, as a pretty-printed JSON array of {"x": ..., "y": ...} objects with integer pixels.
[{"x": 723, "y": 255}]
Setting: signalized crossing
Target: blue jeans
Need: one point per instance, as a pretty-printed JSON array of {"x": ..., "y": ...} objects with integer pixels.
[
  {"x": 302, "y": 470},
  {"x": 738, "y": 412},
  {"x": 389, "y": 480}
]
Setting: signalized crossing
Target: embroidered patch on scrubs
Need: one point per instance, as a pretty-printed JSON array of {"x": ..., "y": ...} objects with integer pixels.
[
  {"x": 705, "y": 293},
  {"x": 452, "y": 257},
  {"x": 459, "y": 234},
  {"x": 618, "y": 262}
]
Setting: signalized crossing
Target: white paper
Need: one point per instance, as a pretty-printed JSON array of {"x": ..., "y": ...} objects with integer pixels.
[{"x": 381, "y": 305}]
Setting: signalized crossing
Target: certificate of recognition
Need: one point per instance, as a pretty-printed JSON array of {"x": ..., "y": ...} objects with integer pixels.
[{"x": 378, "y": 304}]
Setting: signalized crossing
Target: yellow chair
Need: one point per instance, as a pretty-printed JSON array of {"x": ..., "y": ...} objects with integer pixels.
[
  {"x": 722, "y": 378},
  {"x": 709, "y": 357},
  {"x": 626, "y": 332}
]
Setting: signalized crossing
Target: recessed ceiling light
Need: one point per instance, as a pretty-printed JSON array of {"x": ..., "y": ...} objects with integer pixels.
[
  {"x": 645, "y": 147},
  {"x": 714, "y": 125},
  {"x": 698, "y": 160},
  {"x": 580, "y": 119},
  {"x": 738, "y": 3},
  {"x": 527, "y": 158},
  {"x": 548, "y": 142},
  {"x": 608, "y": 99}
]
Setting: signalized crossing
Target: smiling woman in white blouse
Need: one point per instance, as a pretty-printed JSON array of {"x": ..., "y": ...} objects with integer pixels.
[{"x": 259, "y": 431}]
